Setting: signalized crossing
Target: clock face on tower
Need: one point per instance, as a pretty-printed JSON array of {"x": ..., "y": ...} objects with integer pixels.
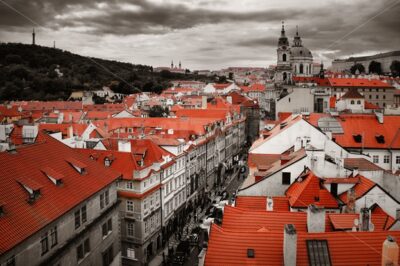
[{"x": 284, "y": 47}]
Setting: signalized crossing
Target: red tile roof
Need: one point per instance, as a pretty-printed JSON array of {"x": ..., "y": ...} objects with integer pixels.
[
  {"x": 307, "y": 190},
  {"x": 259, "y": 203},
  {"x": 22, "y": 219},
  {"x": 352, "y": 93},
  {"x": 362, "y": 187},
  {"x": 361, "y": 164},
  {"x": 134, "y": 195},
  {"x": 358, "y": 82},
  {"x": 369, "y": 128}
]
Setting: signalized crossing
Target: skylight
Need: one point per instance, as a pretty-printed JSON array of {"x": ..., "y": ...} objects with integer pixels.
[{"x": 318, "y": 253}]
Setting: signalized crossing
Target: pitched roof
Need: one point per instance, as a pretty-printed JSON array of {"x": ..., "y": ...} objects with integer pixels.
[
  {"x": 22, "y": 219},
  {"x": 260, "y": 203},
  {"x": 352, "y": 93},
  {"x": 358, "y": 82},
  {"x": 363, "y": 186},
  {"x": 361, "y": 164},
  {"x": 307, "y": 190}
]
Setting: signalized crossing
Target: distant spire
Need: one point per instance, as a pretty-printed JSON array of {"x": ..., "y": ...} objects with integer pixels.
[
  {"x": 283, "y": 28},
  {"x": 297, "y": 30},
  {"x": 180, "y": 65},
  {"x": 54, "y": 44},
  {"x": 172, "y": 64},
  {"x": 33, "y": 36},
  {"x": 297, "y": 39}
]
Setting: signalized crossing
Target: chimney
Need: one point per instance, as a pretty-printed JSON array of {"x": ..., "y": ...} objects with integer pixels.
[
  {"x": 390, "y": 252},
  {"x": 351, "y": 201},
  {"x": 70, "y": 131},
  {"x": 315, "y": 219},
  {"x": 364, "y": 219},
  {"x": 289, "y": 245},
  {"x": 270, "y": 204},
  {"x": 203, "y": 102}
]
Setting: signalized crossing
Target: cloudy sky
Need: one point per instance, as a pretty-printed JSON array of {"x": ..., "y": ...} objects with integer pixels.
[{"x": 203, "y": 34}]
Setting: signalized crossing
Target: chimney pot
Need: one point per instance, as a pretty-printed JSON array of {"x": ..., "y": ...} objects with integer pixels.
[{"x": 390, "y": 252}]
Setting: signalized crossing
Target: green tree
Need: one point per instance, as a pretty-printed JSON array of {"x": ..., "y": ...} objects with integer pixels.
[
  {"x": 359, "y": 67},
  {"x": 158, "y": 111},
  {"x": 395, "y": 68},
  {"x": 375, "y": 67}
]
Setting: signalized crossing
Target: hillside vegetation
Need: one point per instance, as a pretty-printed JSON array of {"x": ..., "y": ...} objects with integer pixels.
[{"x": 31, "y": 72}]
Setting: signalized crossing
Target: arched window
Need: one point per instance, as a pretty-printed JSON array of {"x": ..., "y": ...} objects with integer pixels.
[
  {"x": 301, "y": 68},
  {"x": 284, "y": 57},
  {"x": 358, "y": 102},
  {"x": 352, "y": 102}
]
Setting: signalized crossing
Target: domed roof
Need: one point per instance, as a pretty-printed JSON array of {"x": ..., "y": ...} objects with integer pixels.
[{"x": 300, "y": 51}]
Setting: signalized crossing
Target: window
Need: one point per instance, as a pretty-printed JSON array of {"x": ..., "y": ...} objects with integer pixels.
[
  {"x": 77, "y": 219},
  {"x": 370, "y": 96},
  {"x": 129, "y": 206},
  {"x": 384, "y": 96},
  {"x": 107, "y": 227},
  {"x": 284, "y": 57},
  {"x": 104, "y": 199},
  {"x": 397, "y": 159},
  {"x": 44, "y": 243},
  {"x": 130, "y": 253},
  {"x": 84, "y": 215},
  {"x": 377, "y": 96},
  {"x": 375, "y": 159},
  {"x": 129, "y": 185},
  {"x": 83, "y": 249},
  {"x": 386, "y": 159},
  {"x": 53, "y": 236},
  {"x": 107, "y": 162},
  {"x": 130, "y": 229},
  {"x": 358, "y": 102},
  {"x": 80, "y": 216},
  {"x": 285, "y": 178},
  {"x": 352, "y": 102},
  {"x": 108, "y": 256}
]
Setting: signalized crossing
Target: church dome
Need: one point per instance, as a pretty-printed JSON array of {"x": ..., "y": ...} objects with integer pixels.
[{"x": 300, "y": 51}]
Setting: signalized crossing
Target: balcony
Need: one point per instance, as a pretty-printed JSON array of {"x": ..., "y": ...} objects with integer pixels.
[{"x": 132, "y": 215}]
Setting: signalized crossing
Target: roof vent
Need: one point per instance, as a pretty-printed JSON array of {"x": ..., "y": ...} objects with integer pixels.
[
  {"x": 380, "y": 138},
  {"x": 54, "y": 176},
  {"x": 250, "y": 253},
  {"x": 77, "y": 165},
  {"x": 357, "y": 138},
  {"x": 31, "y": 187}
]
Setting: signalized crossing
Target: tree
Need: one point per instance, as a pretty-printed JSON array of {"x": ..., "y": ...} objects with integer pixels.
[
  {"x": 359, "y": 67},
  {"x": 375, "y": 67},
  {"x": 13, "y": 59},
  {"x": 158, "y": 111},
  {"x": 395, "y": 68}
]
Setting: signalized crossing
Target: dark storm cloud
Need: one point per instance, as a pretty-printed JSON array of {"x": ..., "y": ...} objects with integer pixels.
[
  {"x": 149, "y": 18},
  {"x": 257, "y": 42}
]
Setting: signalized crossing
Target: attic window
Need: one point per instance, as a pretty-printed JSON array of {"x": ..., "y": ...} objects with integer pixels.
[
  {"x": 316, "y": 198},
  {"x": 357, "y": 138},
  {"x": 250, "y": 253},
  {"x": 77, "y": 165},
  {"x": 380, "y": 138},
  {"x": 54, "y": 176},
  {"x": 318, "y": 253}
]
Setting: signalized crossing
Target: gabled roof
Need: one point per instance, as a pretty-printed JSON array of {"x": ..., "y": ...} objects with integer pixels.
[
  {"x": 307, "y": 190},
  {"x": 352, "y": 93},
  {"x": 360, "y": 189},
  {"x": 22, "y": 219}
]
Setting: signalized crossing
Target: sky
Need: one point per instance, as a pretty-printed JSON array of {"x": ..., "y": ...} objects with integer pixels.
[{"x": 203, "y": 34}]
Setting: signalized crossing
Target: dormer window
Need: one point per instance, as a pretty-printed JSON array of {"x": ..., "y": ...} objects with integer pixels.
[
  {"x": 107, "y": 162},
  {"x": 31, "y": 187},
  {"x": 357, "y": 138},
  {"x": 77, "y": 165},
  {"x": 53, "y": 176}
]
